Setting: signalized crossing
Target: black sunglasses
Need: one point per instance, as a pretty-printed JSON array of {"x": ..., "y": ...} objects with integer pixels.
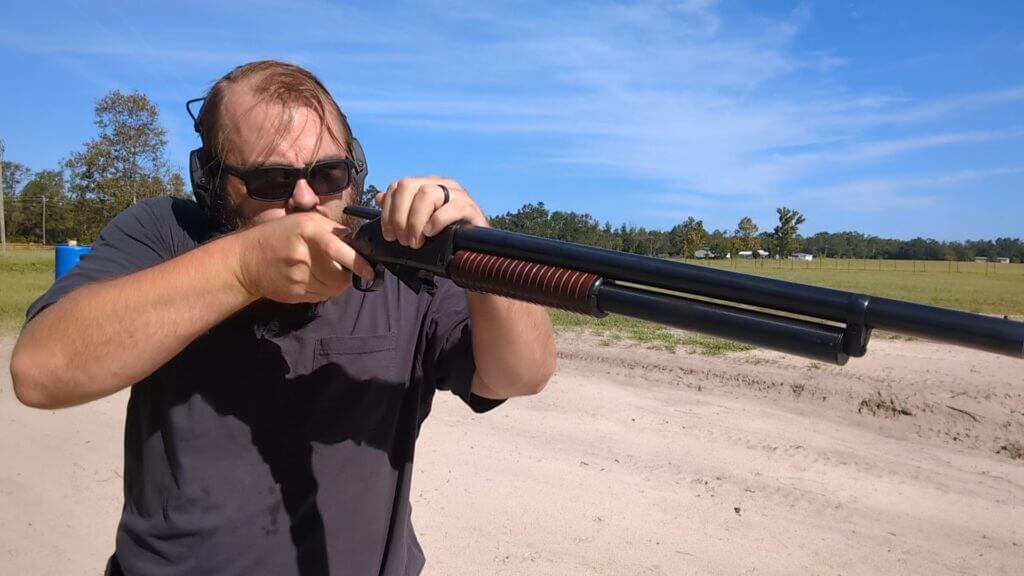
[{"x": 276, "y": 183}]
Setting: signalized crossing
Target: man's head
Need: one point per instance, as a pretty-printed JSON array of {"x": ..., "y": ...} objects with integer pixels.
[{"x": 270, "y": 113}]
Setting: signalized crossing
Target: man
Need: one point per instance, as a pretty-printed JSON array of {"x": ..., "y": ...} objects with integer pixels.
[{"x": 273, "y": 410}]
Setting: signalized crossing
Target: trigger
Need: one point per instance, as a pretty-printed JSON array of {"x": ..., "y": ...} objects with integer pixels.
[{"x": 378, "y": 280}]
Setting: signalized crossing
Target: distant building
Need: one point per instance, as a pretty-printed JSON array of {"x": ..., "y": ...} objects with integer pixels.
[
  {"x": 750, "y": 254},
  {"x": 801, "y": 256},
  {"x": 980, "y": 259},
  {"x": 1003, "y": 260},
  {"x": 709, "y": 253}
]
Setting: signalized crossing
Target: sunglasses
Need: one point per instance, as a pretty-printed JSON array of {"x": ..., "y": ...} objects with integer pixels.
[{"x": 276, "y": 183}]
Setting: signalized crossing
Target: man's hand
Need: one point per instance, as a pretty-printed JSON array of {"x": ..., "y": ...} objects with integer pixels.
[
  {"x": 413, "y": 209},
  {"x": 298, "y": 258},
  {"x": 513, "y": 346}
]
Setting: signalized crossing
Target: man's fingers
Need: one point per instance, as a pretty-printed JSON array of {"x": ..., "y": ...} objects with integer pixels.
[
  {"x": 397, "y": 216},
  {"x": 319, "y": 288},
  {"x": 445, "y": 215},
  {"x": 426, "y": 202},
  {"x": 347, "y": 257},
  {"x": 413, "y": 209},
  {"x": 342, "y": 258},
  {"x": 385, "y": 222}
]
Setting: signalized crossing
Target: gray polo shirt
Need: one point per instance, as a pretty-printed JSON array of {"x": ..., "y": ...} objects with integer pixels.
[{"x": 282, "y": 440}]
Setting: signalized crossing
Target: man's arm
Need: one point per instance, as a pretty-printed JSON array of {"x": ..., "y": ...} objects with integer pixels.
[
  {"x": 513, "y": 345},
  {"x": 107, "y": 336}
]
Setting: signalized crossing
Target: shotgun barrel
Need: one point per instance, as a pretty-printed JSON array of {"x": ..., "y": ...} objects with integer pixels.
[{"x": 819, "y": 323}]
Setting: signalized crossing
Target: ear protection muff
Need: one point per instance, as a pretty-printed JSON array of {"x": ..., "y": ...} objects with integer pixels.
[
  {"x": 200, "y": 169},
  {"x": 200, "y": 172},
  {"x": 204, "y": 170},
  {"x": 359, "y": 178}
]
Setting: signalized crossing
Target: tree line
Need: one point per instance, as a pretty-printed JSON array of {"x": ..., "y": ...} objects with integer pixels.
[
  {"x": 127, "y": 161},
  {"x": 685, "y": 239}
]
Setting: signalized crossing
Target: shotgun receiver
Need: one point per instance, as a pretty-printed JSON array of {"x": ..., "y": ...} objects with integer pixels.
[{"x": 818, "y": 323}]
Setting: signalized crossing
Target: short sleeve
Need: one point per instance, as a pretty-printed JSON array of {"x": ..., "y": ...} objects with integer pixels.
[
  {"x": 141, "y": 236},
  {"x": 450, "y": 346}
]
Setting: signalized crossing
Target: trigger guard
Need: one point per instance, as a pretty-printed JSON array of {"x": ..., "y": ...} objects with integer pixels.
[{"x": 378, "y": 280}]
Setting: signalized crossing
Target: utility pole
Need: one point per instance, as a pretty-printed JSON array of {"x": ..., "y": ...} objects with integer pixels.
[
  {"x": 3, "y": 226},
  {"x": 44, "y": 220}
]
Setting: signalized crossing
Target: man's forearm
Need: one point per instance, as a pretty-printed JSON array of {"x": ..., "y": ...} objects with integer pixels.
[
  {"x": 513, "y": 346},
  {"x": 107, "y": 336}
]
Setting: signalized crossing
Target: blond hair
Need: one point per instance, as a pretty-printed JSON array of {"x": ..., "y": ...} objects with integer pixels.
[{"x": 276, "y": 82}]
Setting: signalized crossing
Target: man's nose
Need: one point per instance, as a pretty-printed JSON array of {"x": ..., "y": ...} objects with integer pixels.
[{"x": 303, "y": 197}]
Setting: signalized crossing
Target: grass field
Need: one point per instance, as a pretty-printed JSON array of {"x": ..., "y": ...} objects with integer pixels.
[
  {"x": 971, "y": 290},
  {"x": 25, "y": 273}
]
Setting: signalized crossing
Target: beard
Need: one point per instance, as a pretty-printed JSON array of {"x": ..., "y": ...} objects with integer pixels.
[{"x": 227, "y": 215}]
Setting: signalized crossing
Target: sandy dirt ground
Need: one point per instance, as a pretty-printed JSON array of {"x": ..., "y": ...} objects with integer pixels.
[{"x": 635, "y": 461}]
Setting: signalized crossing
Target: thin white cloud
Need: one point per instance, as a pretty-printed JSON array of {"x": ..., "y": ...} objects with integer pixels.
[
  {"x": 706, "y": 103},
  {"x": 908, "y": 192},
  {"x": 682, "y": 97}
]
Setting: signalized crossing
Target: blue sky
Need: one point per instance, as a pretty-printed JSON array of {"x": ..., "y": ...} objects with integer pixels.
[{"x": 897, "y": 119}]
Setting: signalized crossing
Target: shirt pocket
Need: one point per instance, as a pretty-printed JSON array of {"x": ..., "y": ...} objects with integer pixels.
[{"x": 362, "y": 379}]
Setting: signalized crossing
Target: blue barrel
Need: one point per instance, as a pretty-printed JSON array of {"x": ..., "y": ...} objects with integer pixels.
[{"x": 67, "y": 257}]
